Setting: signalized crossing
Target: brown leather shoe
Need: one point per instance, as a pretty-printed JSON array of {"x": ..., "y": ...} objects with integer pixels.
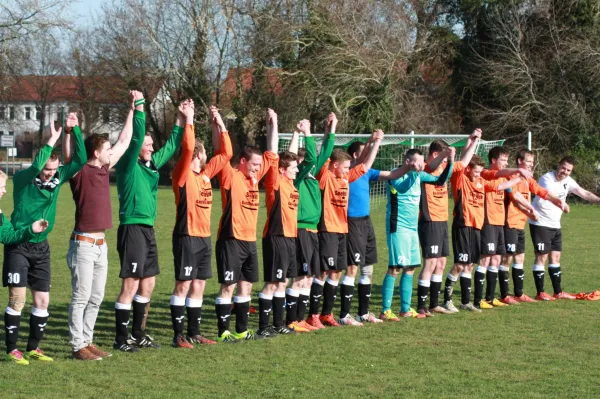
[
  {"x": 94, "y": 349},
  {"x": 85, "y": 354}
]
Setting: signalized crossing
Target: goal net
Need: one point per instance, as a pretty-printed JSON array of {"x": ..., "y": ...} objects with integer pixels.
[{"x": 392, "y": 150}]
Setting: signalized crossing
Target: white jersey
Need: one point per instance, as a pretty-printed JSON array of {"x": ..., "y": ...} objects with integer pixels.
[{"x": 549, "y": 213}]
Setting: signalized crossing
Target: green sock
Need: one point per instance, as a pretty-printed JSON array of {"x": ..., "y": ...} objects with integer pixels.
[
  {"x": 406, "y": 282},
  {"x": 387, "y": 292}
]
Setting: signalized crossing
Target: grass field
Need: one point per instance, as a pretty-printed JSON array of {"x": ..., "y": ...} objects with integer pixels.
[{"x": 532, "y": 350}]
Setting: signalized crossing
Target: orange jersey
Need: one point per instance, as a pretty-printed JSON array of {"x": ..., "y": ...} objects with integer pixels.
[
  {"x": 515, "y": 219},
  {"x": 495, "y": 209},
  {"x": 193, "y": 191},
  {"x": 334, "y": 193},
  {"x": 241, "y": 200},
  {"x": 469, "y": 197},
  {"x": 434, "y": 199},
  {"x": 282, "y": 204}
]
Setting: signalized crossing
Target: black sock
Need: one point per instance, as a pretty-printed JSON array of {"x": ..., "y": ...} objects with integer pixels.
[
  {"x": 479, "y": 280},
  {"x": 37, "y": 325},
  {"x": 538, "y": 277},
  {"x": 11, "y": 324},
  {"x": 316, "y": 292},
  {"x": 137, "y": 330},
  {"x": 422, "y": 292},
  {"x": 448, "y": 289},
  {"x": 302, "y": 305},
  {"x": 242, "y": 311},
  {"x": 329, "y": 295},
  {"x": 177, "y": 318},
  {"x": 265, "y": 306},
  {"x": 555, "y": 277},
  {"x": 291, "y": 305},
  {"x": 465, "y": 290},
  {"x": 503, "y": 280},
  {"x": 121, "y": 324},
  {"x": 223, "y": 312},
  {"x": 434, "y": 296},
  {"x": 194, "y": 316},
  {"x": 347, "y": 292},
  {"x": 490, "y": 289},
  {"x": 364, "y": 298},
  {"x": 518, "y": 275},
  {"x": 278, "y": 310}
]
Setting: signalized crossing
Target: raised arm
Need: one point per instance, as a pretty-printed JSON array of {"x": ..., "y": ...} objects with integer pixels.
[
  {"x": 294, "y": 142},
  {"x": 366, "y": 151},
  {"x": 509, "y": 172},
  {"x": 66, "y": 144},
  {"x": 586, "y": 195},
  {"x": 130, "y": 157},
  {"x": 508, "y": 184},
  {"x": 404, "y": 184},
  {"x": 24, "y": 177},
  {"x": 272, "y": 131},
  {"x": 125, "y": 137},
  {"x": 163, "y": 155},
  {"x": 222, "y": 157},
  {"x": 437, "y": 180},
  {"x": 184, "y": 163},
  {"x": 471, "y": 147},
  {"x": 310, "y": 157},
  {"x": 328, "y": 142},
  {"x": 377, "y": 139}
]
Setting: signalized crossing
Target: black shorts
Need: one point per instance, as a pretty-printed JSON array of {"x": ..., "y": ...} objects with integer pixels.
[
  {"x": 466, "y": 243},
  {"x": 192, "y": 258},
  {"x": 361, "y": 244},
  {"x": 492, "y": 240},
  {"x": 433, "y": 237},
  {"x": 545, "y": 239},
  {"x": 307, "y": 253},
  {"x": 515, "y": 240},
  {"x": 136, "y": 245},
  {"x": 332, "y": 247},
  {"x": 27, "y": 265},
  {"x": 236, "y": 260},
  {"x": 279, "y": 258}
]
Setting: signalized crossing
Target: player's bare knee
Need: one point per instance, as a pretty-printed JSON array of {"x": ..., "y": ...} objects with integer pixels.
[
  {"x": 366, "y": 274},
  {"x": 16, "y": 298},
  {"x": 334, "y": 275},
  {"x": 352, "y": 271},
  {"x": 244, "y": 288},
  {"x": 182, "y": 288},
  {"x": 226, "y": 290},
  {"x": 408, "y": 270},
  {"x": 554, "y": 257},
  {"x": 40, "y": 299},
  {"x": 393, "y": 271}
]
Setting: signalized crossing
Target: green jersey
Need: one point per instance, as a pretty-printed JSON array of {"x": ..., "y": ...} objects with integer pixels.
[
  {"x": 36, "y": 200},
  {"x": 309, "y": 207},
  {"x": 137, "y": 181},
  {"x": 10, "y": 235}
]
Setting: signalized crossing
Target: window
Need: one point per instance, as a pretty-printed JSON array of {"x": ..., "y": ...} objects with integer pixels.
[
  {"x": 1, "y": 131},
  {"x": 27, "y": 113},
  {"x": 105, "y": 114},
  {"x": 11, "y": 113},
  {"x": 38, "y": 113},
  {"x": 2, "y": 113}
]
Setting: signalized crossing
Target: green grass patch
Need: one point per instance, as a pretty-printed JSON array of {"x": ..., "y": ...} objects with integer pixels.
[{"x": 532, "y": 350}]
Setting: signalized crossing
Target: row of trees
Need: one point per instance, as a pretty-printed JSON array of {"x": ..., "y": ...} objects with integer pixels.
[{"x": 440, "y": 66}]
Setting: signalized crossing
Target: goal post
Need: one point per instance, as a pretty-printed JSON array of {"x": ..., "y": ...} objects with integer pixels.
[{"x": 392, "y": 150}]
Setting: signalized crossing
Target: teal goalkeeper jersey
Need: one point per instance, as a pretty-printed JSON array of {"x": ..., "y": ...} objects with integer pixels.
[{"x": 404, "y": 195}]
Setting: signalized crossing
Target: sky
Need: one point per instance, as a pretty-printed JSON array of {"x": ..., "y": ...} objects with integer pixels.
[{"x": 83, "y": 11}]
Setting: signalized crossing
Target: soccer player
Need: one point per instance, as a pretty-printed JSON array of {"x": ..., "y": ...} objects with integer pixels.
[
  {"x": 514, "y": 231},
  {"x": 280, "y": 233},
  {"x": 304, "y": 288},
  {"x": 16, "y": 296},
  {"x": 87, "y": 257},
  {"x": 192, "y": 246},
  {"x": 35, "y": 193},
  {"x": 361, "y": 242},
  {"x": 402, "y": 213},
  {"x": 492, "y": 232},
  {"x": 137, "y": 186},
  {"x": 468, "y": 190},
  {"x": 546, "y": 232},
  {"x": 334, "y": 179},
  {"x": 237, "y": 261},
  {"x": 433, "y": 231}
]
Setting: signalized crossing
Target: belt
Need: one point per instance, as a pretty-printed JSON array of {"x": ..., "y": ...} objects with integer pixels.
[{"x": 91, "y": 240}]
